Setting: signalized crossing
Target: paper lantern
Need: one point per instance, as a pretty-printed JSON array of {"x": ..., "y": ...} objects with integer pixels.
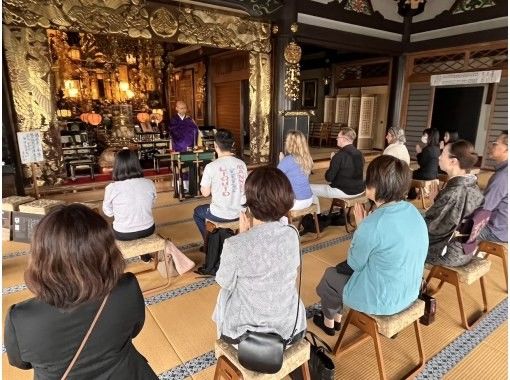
[
  {"x": 94, "y": 119},
  {"x": 142, "y": 117},
  {"x": 83, "y": 117}
]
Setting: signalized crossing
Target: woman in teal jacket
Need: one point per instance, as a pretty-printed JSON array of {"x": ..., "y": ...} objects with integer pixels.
[{"x": 387, "y": 254}]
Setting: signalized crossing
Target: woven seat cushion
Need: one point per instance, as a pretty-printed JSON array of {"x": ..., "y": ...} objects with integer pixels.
[
  {"x": 40, "y": 206},
  {"x": 232, "y": 225},
  {"x": 390, "y": 325},
  {"x": 350, "y": 202},
  {"x": 305, "y": 211},
  {"x": 473, "y": 270},
  {"x": 132, "y": 248},
  {"x": 293, "y": 357},
  {"x": 12, "y": 203}
]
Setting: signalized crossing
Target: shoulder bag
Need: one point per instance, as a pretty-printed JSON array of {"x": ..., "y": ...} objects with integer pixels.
[
  {"x": 70, "y": 367},
  {"x": 263, "y": 352}
]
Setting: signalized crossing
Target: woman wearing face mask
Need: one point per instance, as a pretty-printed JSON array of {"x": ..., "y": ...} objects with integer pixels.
[{"x": 428, "y": 157}]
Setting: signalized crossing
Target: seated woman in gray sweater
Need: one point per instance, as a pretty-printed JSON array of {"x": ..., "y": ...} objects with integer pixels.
[{"x": 259, "y": 266}]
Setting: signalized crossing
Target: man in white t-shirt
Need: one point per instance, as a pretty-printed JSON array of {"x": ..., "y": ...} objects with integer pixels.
[{"x": 223, "y": 179}]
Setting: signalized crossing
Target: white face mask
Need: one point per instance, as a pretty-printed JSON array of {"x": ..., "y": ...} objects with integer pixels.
[{"x": 424, "y": 139}]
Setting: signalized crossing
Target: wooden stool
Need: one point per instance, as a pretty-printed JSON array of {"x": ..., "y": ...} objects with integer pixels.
[
  {"x": 347, "y": 205},
  {"x": 424, "y": 186},
  {"x": 312, "y": 209},
  {"x": 498, "y": 249},
  {"x": 149, "y": 245},
  {"x": 373, "y": 325},
  {"x": 467, "y": 274},
  {"x": 228, "y": 367}
]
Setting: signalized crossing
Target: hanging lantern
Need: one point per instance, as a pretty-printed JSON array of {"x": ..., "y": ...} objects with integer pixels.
[{"x": 292, "y": 55}]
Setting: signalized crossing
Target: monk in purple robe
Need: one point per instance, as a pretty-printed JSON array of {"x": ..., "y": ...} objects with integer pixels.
[{"x": 182, "y": 129}]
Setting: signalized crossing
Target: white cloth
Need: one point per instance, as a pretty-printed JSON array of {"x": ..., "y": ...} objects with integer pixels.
[
  {"x": 399, "y": 151},
  {"x": 326, "y": 191},
  {"x": 300, "y": 204},
  {"x": 130, "y": 203},
  {"x": 226, "y": 176}
]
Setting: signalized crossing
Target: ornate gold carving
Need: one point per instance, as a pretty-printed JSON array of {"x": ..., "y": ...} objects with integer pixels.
[
  {"x": 260, "y": 109},
  {"x": 29, "y": 64},
  {"x": 26, "y": 51},
  {"x": 224, "y": 31},
  {"x": 127, "y": 17},
  {"x": 292, "y": 55},
  {"x": 164, "y": 23}
]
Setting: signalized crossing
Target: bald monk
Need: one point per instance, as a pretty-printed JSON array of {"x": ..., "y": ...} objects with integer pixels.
[
  {"x": 182, "y": 129},
  {"x": 184, "y": 134}
]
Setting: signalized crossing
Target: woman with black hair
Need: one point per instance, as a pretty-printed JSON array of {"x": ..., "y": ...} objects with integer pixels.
[
  {"x": 130, "y": 198},
  {"x": 428, "y": 157}
]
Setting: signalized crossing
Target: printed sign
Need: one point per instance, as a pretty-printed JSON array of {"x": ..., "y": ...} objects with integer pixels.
[
  {"x": 477, "y": 77},
  {"x": 30, "y": 147},
  {"x": 23, "y": 226}
]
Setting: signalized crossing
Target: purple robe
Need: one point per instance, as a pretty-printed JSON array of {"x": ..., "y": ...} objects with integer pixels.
[{"x": 184, "y": 133}]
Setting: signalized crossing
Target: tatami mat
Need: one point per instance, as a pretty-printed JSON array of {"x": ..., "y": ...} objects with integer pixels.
[
  {"x": 178, "y": 335},
  {"x": 486, "y": 361}
]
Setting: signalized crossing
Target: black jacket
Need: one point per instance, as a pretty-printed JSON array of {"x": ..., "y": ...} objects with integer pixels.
[
  {"x": 40, "y": 336},
  {"x": 346, "y": 170},
  {"x": 428, "y": 160}
]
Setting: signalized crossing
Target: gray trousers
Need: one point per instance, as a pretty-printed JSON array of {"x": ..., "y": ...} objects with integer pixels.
[{"x": 330, "y": 290}]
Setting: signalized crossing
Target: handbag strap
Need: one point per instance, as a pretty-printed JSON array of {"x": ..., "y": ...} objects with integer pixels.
[
  {"x": 316, "y": 338},
  {"x": 64, "y": 376},
  {"x": 299, "y": 289}
]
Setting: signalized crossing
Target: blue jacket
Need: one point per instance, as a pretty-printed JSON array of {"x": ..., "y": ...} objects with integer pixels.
[{"x": 387, "y": 255}]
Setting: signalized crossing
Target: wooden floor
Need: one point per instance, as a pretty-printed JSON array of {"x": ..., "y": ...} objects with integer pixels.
[{"x": 179, "y": 334}]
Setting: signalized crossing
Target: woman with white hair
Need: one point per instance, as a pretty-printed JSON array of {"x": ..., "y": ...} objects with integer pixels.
[{"x": 396, "y": 148}]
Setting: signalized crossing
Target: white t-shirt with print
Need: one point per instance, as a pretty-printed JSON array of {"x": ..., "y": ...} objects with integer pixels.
[{"x": 226, "y": 176}]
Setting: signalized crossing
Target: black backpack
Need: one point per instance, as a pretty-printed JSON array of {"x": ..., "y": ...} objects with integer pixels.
[{"x": 215, "y": 241}]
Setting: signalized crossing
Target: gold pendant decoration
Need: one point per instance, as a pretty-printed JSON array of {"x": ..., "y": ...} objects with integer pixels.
[{"x": 292, "y": 55}]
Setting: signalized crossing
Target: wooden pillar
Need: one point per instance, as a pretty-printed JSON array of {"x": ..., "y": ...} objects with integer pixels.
[{"x": 280, "y": 101}]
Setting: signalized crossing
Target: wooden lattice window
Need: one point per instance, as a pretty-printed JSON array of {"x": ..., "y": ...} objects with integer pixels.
[
  {"x": 442, "y": 63},
  {"x": 462, "y": 6},
  {"x": 480, "y": 59},
  {"x": 363, "y": 71}
]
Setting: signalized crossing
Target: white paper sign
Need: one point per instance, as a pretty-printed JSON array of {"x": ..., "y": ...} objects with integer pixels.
[
  {"x": 477, "y": 77},
  {"x": 30, "y": 147}
]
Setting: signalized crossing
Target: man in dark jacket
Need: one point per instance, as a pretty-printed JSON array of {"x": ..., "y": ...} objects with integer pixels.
[{"x": 345, "y": 173}]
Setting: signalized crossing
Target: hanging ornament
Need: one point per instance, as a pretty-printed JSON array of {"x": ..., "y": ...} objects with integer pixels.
[{"x": 292, "y": 55}]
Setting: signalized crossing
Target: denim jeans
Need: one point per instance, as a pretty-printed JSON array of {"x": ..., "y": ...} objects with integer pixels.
[
  {"x": 487, "y": 234},
  {"x": 202, "y": 213}
]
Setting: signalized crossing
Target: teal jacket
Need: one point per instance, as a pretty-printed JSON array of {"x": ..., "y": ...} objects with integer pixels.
[{"x": 387, "y": 255}]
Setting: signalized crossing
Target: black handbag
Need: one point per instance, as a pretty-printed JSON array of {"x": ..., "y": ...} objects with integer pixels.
[
  {"x": 429, "y": 314},
  {"x": 320, "y": 364},
  {"x": 263, "y": 352}
]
